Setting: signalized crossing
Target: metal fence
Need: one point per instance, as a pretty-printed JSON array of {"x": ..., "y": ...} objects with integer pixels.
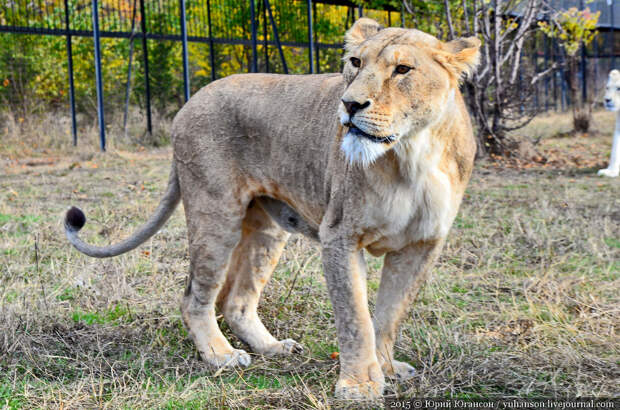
[
  {"x": 284, "y": 23},
  {"x": 264, "y": 24}
]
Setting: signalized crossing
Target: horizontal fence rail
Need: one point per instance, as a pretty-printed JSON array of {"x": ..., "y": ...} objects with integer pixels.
[{"x": 228, "y": 20}]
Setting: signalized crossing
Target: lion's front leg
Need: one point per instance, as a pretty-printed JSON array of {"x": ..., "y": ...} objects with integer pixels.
[
  {"x": 361, "y": 377},
  {"x": 403, "y": 274}
]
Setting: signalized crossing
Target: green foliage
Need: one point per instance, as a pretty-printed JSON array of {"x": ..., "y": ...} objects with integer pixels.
[
  {"x": 574, "y": 28},
  {"x": 34, "y": 69}
]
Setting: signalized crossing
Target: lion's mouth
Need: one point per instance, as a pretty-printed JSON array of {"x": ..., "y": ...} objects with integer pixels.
[{"x": 353, "y": 130}]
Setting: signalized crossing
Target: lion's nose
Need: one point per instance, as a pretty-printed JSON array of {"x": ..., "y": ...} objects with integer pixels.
[
  {"x": 353, "y": 106},
  {"x": 607, "y": 100}
]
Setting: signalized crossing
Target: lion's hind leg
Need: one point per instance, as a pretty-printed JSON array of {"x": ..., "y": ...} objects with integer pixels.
[
  {"x": 251, "y": 266},
  {"x": 214, "y": 231}
]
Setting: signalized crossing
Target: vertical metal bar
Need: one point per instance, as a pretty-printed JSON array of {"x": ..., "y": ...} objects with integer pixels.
[
  {"x": 316, "y": 42},
  {"x": 70, "y": 70},
  {"x": 254, "y": 67},
  {"x": 389, "y": 18},
  {"x": 276, "y": 36},
  {"x": 584, "y": 89},
  {"x": 147, "y": 81},
  {"x": 310, "y": 37},
  {"x": 360, "y": 12},
  {"x": 563, "y": 96},
  {"x": 211, "y": 47},
  {"x": 613, "y": 40},
  {"x": 129, "y": 66},
  {"x": 402, "y": 14},
  {"x": 185, "y": 56},
  {"x": 584, "y": 79},
  {"x": 265, "y": 44},
  {"x": 99, "y": 83}
]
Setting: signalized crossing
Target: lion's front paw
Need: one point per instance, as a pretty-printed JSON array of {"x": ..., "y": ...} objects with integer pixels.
[
  {"x": 608, "y": 172},
  {"x": 350, "y": 388},
  {"x": 398, "y": 370},
  {"x": 284, "y": 347}
]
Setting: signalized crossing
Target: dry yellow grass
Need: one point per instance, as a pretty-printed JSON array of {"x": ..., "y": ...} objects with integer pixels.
[
  {"x": 523, "y": 302},
  {"x": 551, "y": 124}
]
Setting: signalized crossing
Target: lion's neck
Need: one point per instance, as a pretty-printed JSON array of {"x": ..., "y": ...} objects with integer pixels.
[
  {"x": 421, "y": 153},
  {"x": 417, "y": 155}
]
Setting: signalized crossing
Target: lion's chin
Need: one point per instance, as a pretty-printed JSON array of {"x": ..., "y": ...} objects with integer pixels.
[{"x": 361, "y": 150}]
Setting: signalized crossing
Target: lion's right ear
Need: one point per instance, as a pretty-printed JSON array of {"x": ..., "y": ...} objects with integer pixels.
[
  {"x": 361, "y": 30},
  {"x": 614, "y": 74}
]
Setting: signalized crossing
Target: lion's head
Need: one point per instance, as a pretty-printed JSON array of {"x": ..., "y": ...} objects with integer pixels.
[
  {"x": 398, "y": 82},
  {"x": 612, "y": 91}
]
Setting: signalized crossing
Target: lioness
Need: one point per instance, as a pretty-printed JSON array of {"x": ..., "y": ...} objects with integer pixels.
[
  {"x": 612, "y": 103},
  {"x": 259, "y": 156}
]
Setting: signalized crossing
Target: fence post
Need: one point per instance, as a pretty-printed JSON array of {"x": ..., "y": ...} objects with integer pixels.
[
  {"x": 276, "y": 36},
  {"x": 185, "y": 56},
  {"x": 584, "y": 85},
  {"x": 310, "y": 37},
  {"x": 211, "y": 48},
  {"x": 360, "y": 12},
  {"x": 254, "y": 67},
  {"x": 613, "y": 26},
  {"x": 99, "y": 84},
  {"x": 70, "y": 70},
  {"x": 316, "y": 42},
  {"x": 147, "y": 81},
  {"x": 265, "y": 44},
  {"x": 129, "y": 65}
]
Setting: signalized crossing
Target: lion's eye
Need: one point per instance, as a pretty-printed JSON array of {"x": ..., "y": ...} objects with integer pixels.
[
  {"x": 402, "y": 69},
  {"x": 355, "y": 61},
  {"x": 618, "y": 89}
]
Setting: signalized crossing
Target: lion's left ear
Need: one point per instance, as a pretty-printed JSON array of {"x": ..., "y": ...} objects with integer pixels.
[
  {"x": 361, "y": 30},
  {"x": 460, "y": 56}
]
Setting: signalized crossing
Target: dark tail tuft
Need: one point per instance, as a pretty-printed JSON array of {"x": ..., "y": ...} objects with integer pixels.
[{"x": 75, "y": 219}]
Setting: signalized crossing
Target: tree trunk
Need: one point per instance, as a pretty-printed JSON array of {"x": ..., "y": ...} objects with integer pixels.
[{"x": 582, "y": 115}]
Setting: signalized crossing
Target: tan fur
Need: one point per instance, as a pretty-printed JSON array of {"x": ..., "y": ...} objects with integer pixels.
[{"x": 259, "y": 156}]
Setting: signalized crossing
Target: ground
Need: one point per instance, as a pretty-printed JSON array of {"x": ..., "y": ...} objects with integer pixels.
[{"x": 523, "y": 302}]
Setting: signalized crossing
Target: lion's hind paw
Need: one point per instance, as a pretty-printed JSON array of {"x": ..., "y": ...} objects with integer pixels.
[
  {"x": 397, "y": 370},
  {"x": 284, "y": 347}
]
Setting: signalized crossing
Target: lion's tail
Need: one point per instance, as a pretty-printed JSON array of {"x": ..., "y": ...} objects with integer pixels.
[{"x": 75, "y": 220}]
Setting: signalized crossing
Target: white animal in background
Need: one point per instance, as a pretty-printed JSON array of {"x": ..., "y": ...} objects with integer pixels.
[{"x": 612, "y": 103}]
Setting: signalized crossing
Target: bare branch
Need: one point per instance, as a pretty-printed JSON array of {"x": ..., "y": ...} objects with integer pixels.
[
  {"x": 543, "y": 74},
  {"x": 408, "y": 7},
  {"x": 449, "y": 18}
]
